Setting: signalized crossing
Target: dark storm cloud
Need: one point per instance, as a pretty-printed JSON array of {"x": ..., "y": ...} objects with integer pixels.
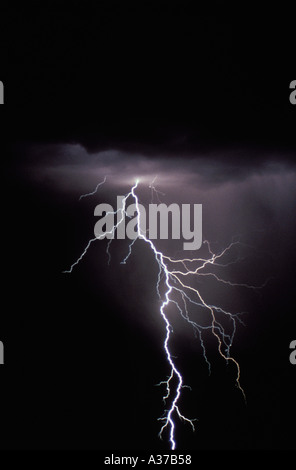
[
  {"x": 238, "y": 195},
  {"x": 71, "y": 166}
]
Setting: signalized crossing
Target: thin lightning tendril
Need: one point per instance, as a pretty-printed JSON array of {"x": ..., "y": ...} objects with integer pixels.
[
  {"x": 173, "y": 280},
  {"x": 94, "y": 191}
]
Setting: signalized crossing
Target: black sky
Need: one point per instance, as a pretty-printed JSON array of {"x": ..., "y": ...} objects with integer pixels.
[
  {"x": 143, "y": 78},
  {"x": 206, "y": 95}
]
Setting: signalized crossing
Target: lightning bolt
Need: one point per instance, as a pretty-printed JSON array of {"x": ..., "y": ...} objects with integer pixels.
[
  {"x": 94, "y": 191},
  {"x": 180, "y": 293}
]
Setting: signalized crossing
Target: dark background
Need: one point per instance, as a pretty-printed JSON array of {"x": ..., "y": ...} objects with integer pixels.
[{"x": 133, "y": 79}]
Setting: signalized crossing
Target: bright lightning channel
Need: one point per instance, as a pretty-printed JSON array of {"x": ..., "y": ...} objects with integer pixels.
[{"x": 174, "y": 282}]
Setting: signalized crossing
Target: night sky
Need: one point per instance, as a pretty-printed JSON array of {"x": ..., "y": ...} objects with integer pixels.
[{"x": 201, "y": 101}]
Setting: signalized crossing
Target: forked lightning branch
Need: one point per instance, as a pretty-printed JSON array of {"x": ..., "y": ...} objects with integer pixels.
[{"x": 175, "y": 275}]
